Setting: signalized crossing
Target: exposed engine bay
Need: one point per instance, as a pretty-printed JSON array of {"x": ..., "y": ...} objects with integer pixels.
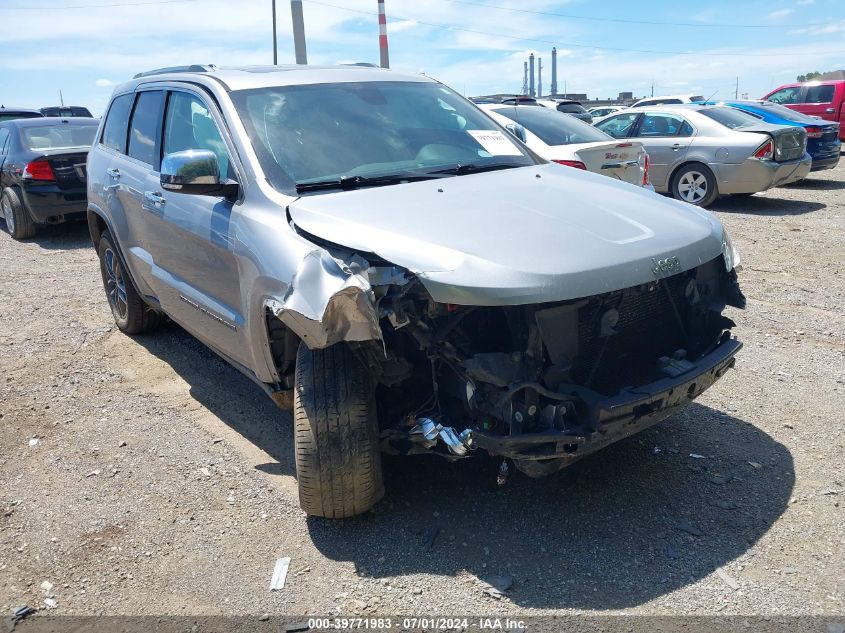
[{"x": 543, "y": 384}]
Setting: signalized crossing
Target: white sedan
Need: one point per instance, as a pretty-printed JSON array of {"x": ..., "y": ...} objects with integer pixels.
[{"x": 564, "y": 139}]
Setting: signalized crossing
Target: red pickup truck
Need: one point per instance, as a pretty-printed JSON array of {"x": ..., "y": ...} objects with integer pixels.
[{"x": 825, "y": 99}]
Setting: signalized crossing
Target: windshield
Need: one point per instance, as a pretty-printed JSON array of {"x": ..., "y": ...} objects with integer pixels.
[
  {"x": 58, "y": 136},
  {"x": 552, "y": 127},
  {"x": 730, "y": 117},
  {"x": 321, "y": 132}
]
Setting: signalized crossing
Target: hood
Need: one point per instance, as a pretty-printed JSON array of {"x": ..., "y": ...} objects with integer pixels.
[{"x": 517, "y": 236}]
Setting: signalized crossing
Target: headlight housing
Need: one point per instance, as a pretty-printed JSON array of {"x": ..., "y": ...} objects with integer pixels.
[{"x": 729, "y": 252}]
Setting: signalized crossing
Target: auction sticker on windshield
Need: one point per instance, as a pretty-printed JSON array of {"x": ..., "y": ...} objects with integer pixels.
[{"x": 495, "y": 142}]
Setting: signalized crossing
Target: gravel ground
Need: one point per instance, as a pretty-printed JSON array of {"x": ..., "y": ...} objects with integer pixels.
[{"x": 144, "y": 476}]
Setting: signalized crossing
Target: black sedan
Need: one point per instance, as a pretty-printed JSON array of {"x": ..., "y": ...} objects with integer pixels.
[
  {"x": 42, "y": 171},
  {"x": 8, "y": 113}
]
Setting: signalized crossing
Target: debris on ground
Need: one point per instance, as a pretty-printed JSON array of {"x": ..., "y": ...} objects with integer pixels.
[
  {"x": 729, "y": 580},
  {"x": 683, "y": 526},
  {"x": 51, "y": 603},
  {"x": 33, "y": 441},
  {"x": 496, "y": 586},
  {"x": 46, "y": 586},
  {"x": 697, "y": 456},
  {"x": 277, "y": 583},
  {"x": 430, "y": 537}
]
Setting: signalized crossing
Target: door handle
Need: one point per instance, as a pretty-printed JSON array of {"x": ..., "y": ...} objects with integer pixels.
[
  {"x": 114, "y": 173},
  {"x": 830, "y": 111},
  {"x": 677, "y": 146},
  {"x": 155, "y": 198}
]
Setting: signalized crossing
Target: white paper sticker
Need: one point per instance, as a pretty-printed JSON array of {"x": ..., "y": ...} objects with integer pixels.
[{"x": 495, "y": 142}]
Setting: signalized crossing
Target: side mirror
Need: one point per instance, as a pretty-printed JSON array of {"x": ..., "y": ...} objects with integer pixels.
[
  {"x": 195, "y": 171},
  {"x": 517, "y": 130}
]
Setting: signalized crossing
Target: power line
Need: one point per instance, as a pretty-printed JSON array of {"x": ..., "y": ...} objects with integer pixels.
[
  {"x": 630, "y": 21},
  {"x": 519, "y": 38},
  {"x": 96, "y": 6}
]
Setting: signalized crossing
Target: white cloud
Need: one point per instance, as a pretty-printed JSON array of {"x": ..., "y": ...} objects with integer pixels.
[
  {"x": 104, "y": 83},
  {"x": 401, "y": 25},
  {"x": 805, "y": 2},
  {"x": 782, "y": 13}
]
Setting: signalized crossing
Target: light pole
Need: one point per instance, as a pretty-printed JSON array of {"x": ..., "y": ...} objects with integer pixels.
[{"x": 275, "y": 47}]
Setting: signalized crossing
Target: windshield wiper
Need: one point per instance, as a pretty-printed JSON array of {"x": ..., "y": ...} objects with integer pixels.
[
  {"x": 472, "y": 168},
  {"x": 353, "y": 182}
]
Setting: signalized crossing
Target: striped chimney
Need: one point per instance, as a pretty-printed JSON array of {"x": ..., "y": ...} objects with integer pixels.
[{"x": 382, "y": 35}]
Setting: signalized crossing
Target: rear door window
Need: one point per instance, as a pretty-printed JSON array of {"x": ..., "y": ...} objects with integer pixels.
[
  {"x": 144, "y": 131},
  {"x": 117, "y": 120},
  {"x": 4, "y": 135},
  {"x": 659, "y": 125},
  {"x": 819, "y": 94}
]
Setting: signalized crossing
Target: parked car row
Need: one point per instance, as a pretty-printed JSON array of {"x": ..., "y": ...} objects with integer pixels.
[
  {"x": 9, "y": 113},
  {"x": 696, "y": 150},
  {"x": 387, "y": 256}
]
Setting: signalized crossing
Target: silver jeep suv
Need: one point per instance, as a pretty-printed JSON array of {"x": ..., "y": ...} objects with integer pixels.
[{"x": 373, "y": 249}]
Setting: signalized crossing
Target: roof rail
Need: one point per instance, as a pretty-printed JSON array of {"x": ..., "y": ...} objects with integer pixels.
[{"x": 193, "y": 68}]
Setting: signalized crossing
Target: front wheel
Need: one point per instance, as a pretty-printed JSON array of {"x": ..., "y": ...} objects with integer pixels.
[
  {"x": 131, "y": 314},
  {"x": 696, "y": 184},
  {"x": 338, "y": 462}
]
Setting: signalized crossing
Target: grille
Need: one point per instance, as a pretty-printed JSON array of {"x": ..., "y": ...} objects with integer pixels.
[{"x": 647, "y": 328}]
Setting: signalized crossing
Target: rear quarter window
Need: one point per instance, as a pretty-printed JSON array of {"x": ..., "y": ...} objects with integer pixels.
[{"x": 117, "y": 123}]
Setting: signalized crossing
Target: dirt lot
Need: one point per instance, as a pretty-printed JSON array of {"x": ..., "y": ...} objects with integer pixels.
[{"x": 144, "y": 476}]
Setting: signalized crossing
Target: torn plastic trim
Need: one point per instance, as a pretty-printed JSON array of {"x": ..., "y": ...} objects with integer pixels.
[
  {"x": 427, "y": 431},
  {"x": 329, "y": 301}
]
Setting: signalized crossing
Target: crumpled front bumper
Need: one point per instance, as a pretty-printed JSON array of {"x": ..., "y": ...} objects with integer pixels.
[{"x": 616, "y": 417}]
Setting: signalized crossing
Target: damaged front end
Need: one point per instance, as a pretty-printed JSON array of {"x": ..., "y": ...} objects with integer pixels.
[{"x": 541, "y": 384}]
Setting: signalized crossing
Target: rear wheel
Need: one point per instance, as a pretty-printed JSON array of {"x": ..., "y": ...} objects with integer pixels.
[
  {"x": 18, "y": 220},
  {"x": 695, "y": 183},
  {"x": 338, "y": 463},
  {"x": 131, "y": 314}
]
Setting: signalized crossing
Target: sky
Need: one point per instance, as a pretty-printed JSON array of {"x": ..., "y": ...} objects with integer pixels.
[{"x": 86, "y": 47}]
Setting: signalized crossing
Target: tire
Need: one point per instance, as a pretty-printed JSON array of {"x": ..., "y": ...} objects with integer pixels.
[
  {"x": 18, "y": 220},
  {"x": 695, "y": 183},
  {"x": 338, "y": 462},
  {"x": 131, "y": 314}
]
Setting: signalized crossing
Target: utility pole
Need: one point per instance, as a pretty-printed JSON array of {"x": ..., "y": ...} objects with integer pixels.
[
  {"x": 384, "y": 58},
  {"x": 554, "y": 71},
  {"x": 275, "y": 44},
  {"x": 61, "y": 98},
  {"x": 736, "y": 92},
  {"x": 652, "y": 87},
  {"x": 298, "y": 31}
]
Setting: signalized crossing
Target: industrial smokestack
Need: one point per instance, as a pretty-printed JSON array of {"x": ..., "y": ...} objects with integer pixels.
[
  {"x": 298, "y": 31},
  {"x": 531, "y": 75},
  {"x": 525, "y": 78},
  {"x": 540, "y": 77},
  {"x": 382, "y": 35},
  {"x": 554, "y": 71}
]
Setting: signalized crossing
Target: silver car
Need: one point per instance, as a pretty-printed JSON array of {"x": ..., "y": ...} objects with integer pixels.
[
  {"x": 373, "y": 249},
  {"x": 700, "y": 152}
]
